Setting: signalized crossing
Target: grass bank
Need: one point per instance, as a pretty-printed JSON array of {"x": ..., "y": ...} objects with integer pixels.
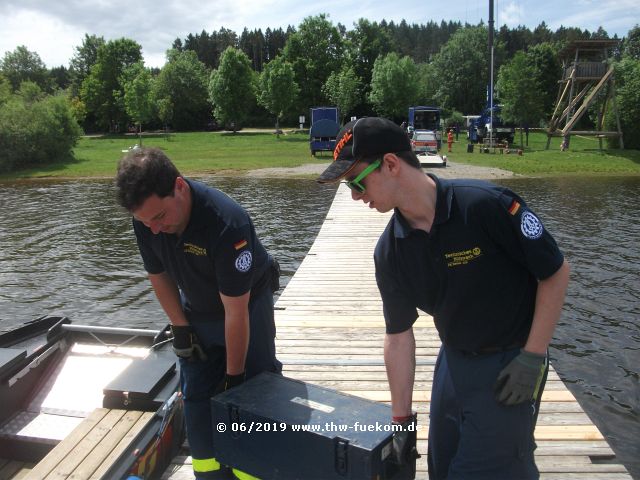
[
  {"x": 583, "y": 158},
  {"x": 193, "y": 152},
  {"x": 216, "y": 152}
]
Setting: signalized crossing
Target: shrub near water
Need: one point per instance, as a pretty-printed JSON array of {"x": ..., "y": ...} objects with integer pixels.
[{"x": 35, "y": 131}]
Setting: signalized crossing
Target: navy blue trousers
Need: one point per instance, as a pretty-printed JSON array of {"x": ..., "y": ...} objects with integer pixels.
[
  {"x": 200, "y": 379},
  {"x": 471, "y": 435}
]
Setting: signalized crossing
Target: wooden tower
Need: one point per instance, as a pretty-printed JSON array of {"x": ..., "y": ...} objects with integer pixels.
[{"x": 586, "y": 73}]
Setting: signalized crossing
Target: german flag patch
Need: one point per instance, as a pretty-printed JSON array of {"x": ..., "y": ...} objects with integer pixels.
[
  {"x": 515, "y": 206},
  {"x": 240, "y": 244}
]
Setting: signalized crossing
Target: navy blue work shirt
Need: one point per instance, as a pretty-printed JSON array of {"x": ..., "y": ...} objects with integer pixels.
[
  {"x": 476, "y": 271},
  {"x": 218, "y": 252}
]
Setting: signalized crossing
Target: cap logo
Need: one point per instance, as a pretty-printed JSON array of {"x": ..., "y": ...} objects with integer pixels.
[{"x": 343, "y": 141}]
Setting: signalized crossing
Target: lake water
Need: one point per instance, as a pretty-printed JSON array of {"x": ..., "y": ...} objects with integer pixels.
[{"x": 66, "y": 248}]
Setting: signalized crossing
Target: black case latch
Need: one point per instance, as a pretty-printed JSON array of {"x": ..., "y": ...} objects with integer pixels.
[{"x": 341, "y": 456}]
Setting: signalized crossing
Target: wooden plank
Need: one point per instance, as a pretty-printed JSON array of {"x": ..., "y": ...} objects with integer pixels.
[
  {"x": 64, "y": 448},
  {"x": 122, "y": 445},
  {"x": 23, "y": 472},
  {"x": 86, "y": 446},
  {"x": 425, "y": 395},
  {"x": 101, "y": 451}
]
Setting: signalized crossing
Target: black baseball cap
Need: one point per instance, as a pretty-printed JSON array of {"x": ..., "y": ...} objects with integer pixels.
[{"x": 366, "y": 137}]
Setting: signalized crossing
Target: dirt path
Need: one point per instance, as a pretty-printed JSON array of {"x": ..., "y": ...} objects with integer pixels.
[{"x": 453, "y": 170}]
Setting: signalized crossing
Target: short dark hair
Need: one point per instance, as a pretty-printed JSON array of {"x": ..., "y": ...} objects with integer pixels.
[
  {"x": 407, "y": 156},
  {"x": 142, "y": 173}
]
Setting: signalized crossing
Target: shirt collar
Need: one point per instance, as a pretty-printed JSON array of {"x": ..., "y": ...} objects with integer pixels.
[
  {"x": 196, "y": 216},
  {"x": 444, "y": 197}
]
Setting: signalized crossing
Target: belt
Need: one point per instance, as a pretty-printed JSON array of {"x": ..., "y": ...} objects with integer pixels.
[{"x": 491, "y": 350}]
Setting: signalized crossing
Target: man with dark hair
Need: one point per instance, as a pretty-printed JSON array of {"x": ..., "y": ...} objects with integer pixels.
[
  {"x": 214, "y": 280},
  {"x": 473, "y": 255}
]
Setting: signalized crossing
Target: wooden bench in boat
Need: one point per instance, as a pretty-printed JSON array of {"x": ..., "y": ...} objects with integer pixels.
[{"x": 92, "y": 447}]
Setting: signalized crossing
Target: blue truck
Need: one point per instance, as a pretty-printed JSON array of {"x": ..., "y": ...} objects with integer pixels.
[
  {"x": 480, "y": 128},
  {"x": 425, "y": 118},
  {"x": 324, "y": 129}
]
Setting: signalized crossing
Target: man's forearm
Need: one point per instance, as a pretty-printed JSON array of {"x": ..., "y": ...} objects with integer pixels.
[
  {"x": 237, "y": 342},
  {"x": 236, "y": 331},
  {"x": 169, "y": 297},
  {"x": 549, "y": 301},
  {"x": 400, "y": 362}
]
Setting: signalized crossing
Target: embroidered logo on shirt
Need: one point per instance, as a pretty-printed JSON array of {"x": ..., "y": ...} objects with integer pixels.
[
  {"x": 531, "y": 226},
  {"x": 243, "y": 262},
  {"x": 240, "y": 244},
  {"x": 462, "y": 257},
  {"x": 195, "y": 250},
  {"x": 515, "y": 206}
]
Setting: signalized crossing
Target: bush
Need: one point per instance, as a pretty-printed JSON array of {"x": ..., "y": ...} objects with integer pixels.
[{"x": 39, "y": 132}]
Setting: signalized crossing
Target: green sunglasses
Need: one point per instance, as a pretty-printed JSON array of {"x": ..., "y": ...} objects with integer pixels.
[{"x": 355, "y": 184}]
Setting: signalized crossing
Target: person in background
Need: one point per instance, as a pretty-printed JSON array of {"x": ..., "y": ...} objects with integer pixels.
[
  {"x": 474, "y": 256},
  {"x": 450, "y": 139},
  {"x": 214, "y": 280}
]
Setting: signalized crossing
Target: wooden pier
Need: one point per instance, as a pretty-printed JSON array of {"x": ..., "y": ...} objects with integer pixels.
[{"x": 331, "y": 330}]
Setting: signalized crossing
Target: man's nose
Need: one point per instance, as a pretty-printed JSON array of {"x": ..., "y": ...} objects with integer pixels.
[{"x": 356, "y": 195}]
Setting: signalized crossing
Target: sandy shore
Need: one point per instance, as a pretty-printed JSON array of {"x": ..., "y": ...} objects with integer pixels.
[{"x": 453, "y": 170}]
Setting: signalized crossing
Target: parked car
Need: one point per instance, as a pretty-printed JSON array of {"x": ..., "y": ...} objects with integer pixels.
[{"x": 424, "y": 141}]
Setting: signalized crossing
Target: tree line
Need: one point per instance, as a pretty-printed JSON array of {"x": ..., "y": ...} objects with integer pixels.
[{"x": 220, "y": 79}]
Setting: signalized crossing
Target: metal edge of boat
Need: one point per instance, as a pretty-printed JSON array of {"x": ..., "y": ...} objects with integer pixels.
[{"x": 35, "y": 358}]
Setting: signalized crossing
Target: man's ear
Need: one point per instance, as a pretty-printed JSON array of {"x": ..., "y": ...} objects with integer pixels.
[
  {"x": 179, "y": 184},
  {"x": 391, "y": 163}
]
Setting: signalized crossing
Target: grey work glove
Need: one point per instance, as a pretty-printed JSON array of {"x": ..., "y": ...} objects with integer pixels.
[
  {"x": 405, "y": 437},
  {"x": 520, "y": 380},
  {"x": 186, "y": 344}
]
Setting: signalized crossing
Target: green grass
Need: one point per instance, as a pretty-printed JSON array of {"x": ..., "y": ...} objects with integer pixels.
[
  {"x": 215, "y": 152},
  {"x": 583, "y": 158},
  {"x": 196, "y": 152}
]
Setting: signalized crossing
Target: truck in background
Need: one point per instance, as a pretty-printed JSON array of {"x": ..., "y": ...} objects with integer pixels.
[
  {"x": 425, "y": 118},
  {"x": 480, "y": 128},
  {"x": 324, "y": 129}
]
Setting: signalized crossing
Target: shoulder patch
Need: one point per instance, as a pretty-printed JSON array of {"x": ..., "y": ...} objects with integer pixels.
[
  {"x": 530, "y": 226},
  {"x": 240, "y": 244},
  {"x": 243, "y": 262},
  {"x": 515, "y": 206}
]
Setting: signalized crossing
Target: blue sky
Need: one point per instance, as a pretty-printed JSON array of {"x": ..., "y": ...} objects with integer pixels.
[{"x": 54, "y": 28}]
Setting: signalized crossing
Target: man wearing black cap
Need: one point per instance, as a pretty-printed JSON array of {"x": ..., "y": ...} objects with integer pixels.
[{"x": 473, "y": 255}]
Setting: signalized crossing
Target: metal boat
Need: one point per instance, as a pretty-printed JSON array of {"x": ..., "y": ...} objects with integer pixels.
[{"x": 110, "y": 394}]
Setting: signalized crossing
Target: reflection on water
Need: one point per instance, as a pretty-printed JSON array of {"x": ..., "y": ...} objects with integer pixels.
[{"x": 67, "y": 248}]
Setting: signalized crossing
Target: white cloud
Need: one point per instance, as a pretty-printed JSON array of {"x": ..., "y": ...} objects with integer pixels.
[
  {"x": 53, "y": 28},
  {"x": 511, "y": 15},
  {"x": 50, "y": 38},
  {"x": 615, "y": 16}
]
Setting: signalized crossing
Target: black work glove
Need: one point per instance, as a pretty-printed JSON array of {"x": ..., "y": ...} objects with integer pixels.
[
  {"x": 520, "y": 380},
  {"x": 229, "y": 381},
  {"x": 186, "y": 344},
  {"x": 405, "y": 437}
]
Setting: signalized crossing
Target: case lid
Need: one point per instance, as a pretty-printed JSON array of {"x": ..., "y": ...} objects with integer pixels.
[
  {"x": 363, "y": 422},
  {"x": 143, "y": 378}
]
